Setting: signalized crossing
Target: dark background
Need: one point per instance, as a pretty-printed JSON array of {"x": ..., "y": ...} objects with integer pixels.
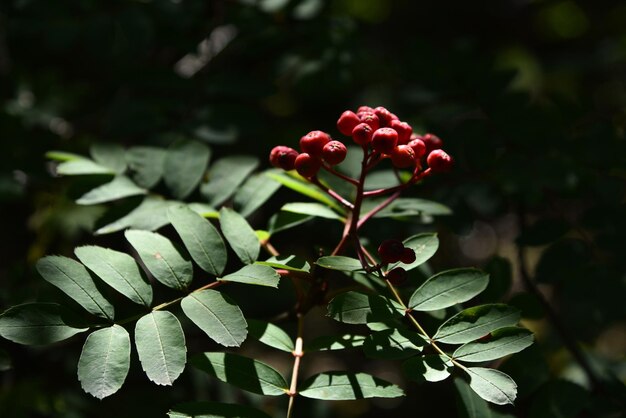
[{"x": 528, "y": 96}]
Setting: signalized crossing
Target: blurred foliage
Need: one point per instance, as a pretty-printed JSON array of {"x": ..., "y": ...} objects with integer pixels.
[{"x": 529, "y": 97}]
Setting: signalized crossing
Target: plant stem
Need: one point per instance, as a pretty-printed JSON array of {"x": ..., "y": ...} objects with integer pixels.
[
  {"x": 340, "y": 175},
  {"x": 332, "y": 193},
  {"x": 297, "y": 356}
]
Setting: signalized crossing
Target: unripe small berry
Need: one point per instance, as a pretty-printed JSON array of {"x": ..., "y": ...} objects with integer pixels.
[
  {"x": 397, "y": 276},
  {"x": 347, "y": 121},
  {"x": 371, "y": 119},
  {"x": 439, "y": 161},
  {"x": 408, "y": 256},
  {"x": 362, "y": 134},
  {"x": 334, "y": 152},
  {"x": 307, "y": 165},
  {"x": 283, "y": 157},
  {"x": 364, "y": 109},
  {"x": 419, "y": 148},
  {"x": 403, "y": 156},
  {"x": 432, "y": 142},
  {"x": 404, "y": 131},
  {"x": 384, "y": 116},
  {"x": 313, "y": 143},
  {"x": 384, "y": 140},
  {"x": 390, "y": 251}
]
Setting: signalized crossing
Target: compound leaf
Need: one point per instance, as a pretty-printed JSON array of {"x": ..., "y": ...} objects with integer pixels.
[{"x": 336, "y": 386}]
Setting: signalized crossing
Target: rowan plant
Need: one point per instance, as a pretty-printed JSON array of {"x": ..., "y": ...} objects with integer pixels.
[{"x": 367, "y": 284}]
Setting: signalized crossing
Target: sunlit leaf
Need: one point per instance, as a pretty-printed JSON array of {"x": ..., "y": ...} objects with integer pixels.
[
  {"x": 254, "y": 274},
  {"x": 270, "y": 334},
  {"x": 425, "y": 246},
  {"x": 312, "y": 209},
  {"x": 500, "y": 343},
  {"x": 448, "y": 288},
  {"x": 119, "y": 188},
  {"x": 303, "y": 188},
  {"x": 240, "y": 235},
  {"x": 254, "y": 192},
  {"x": 287, "y": 262},
  {"x": 393, "y": 344},
  {"x": 217, "y": 315},
  {"x": 336, "y": 386},
  {"x": 492, "y": 385},
  {"x": 82, "y": 166},
  {"x": 285, "y": 220},
  {"x": 339, "y": 262},
  {"x": 476, "y": 322},
  {"x": 161, "y": 346},
  {"x": 335, "y": 342},
  {"x": 225, "y": 176},
  {"x": 110, "y": 155},
  {"x": 427, "y": 368},
  {"x": 184, "y": 166},
  {"x": 146, "y": 165},
  {"x": 104, "y": 361},
  {"x": 359, "y": 308},
  {"x": 245, "y": 373},
  {"x": 150, "y": 215},
  {"x": 75, "y": 281}
]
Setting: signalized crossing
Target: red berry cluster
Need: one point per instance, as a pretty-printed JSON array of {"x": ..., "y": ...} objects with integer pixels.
[
  {"x": 375, "y": 129},
  {"x": 393, "y": 251}
]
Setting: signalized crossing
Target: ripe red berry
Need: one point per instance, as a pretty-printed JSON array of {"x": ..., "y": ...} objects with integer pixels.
[
  {"x": 334, "y": 152},
  {"x": 408, "y": 256},
  {"x": 363, "y": 109},
  {"x": 362, "y": 134},
  {"x": 384, "y": 140},
  {"x": 390, "y": 251},
  {"x": 384, "y": 116},
  {"x": 307, "y": 165},
  {"x": 439, "y": 161},
  {"x": 347, "y": 121},
  {"x": 403, "y": 156},
  {"x": 371, "y": 119},
  {"x": 283, "y": 157},
  {"x": 418, "y": 147},
  {"x": 313, "y": 143},
  {"x": 432, "y": 142},
  {"x": 404, "y": 131},
  {"x": 397, "y": 276}
]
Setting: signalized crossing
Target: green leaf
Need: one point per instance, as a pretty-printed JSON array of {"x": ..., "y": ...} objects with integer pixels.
[
  {"x": 476, "y": 322},
  {"x": 425, "y": 246},
  {"x": 214, "y": 410},
  {"x": 75, "y": 281},
  {"x": 109, "y": 155},
  {"x": 285, "y": 220},
  {"x": 82, "y": 166},
  {"x": 240, "y": 235},
  {"x": 204, "y": 210},
  {"x": 492, "y": 385},
  {"x": 217, "y": 315},
  {"x": 184, "y": 166},
  {"x": 312, "y": 209},
  {"x": 146, "y": 164},
  {"x": 118, "y": 188},
  {"x": 225, "y": 176},
  {"x": 335, "y": 342},
  {"x": 161, "y": 258},
  {"x": 303, "y": 188},
  {"x": 393, "y": 344},
  {"x": 474, "y": 406},
  {"x": 254, "y": 192},
  {"x": 245, "y": 373},
  {"x": 381, "y": 179},
  {"x": 501, "y": 342},
  {"x": 150, "y": 215},
  {"x": 204, "y": 243},
  {"x": 359, "y": 308},
  {"x": 339, "y": 386},
  {"x": 287, "y": 262},
  {"x": 270, "y": 334},
  {"x": 118, "y": 270},
  {"x": 38, "y": 324},
  {"x": 254, "y": 274},
  {"x": 63, "y": 156},
  {"x": 408, "y": 207},
  {"x": 428, "y": 368},
  {"x": 339, "y": 262},
  {"x": 448, "y": 288},
  {"x": 104, "y": 361},
  {"x": 161, "y": 346}
]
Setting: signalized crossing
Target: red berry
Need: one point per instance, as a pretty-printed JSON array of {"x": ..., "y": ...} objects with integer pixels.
[
  {"x": 362, "y": 134},
  {"x": 283, "y": 157},
  {"x": 403, "y": 156},
  {"x": 418, "y": 147},
  {"x": 384, "y": 140},
  {"x": 439, "y": 161},
  {"x": 334, "y": 152},
  {"x": 347, "y": 121},
  {"x": 384, "y": 116},
  {"x": 404, "y": 131},
  {"x": 307, "y": 165},
  {"x": 397, "y": 276},
  {"x": 432, "y": 142},
  {"x": 371, "y": 119},
  {"x": 390, "y": 251},
  {"x": 363, "y": 109},
  {"x": 313, "y": 142},
  {"x": 408, "y": 256}
]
